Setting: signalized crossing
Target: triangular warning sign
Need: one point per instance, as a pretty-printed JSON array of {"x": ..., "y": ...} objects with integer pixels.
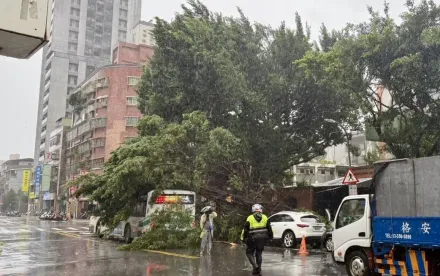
[{"x": 350, "y": 178}]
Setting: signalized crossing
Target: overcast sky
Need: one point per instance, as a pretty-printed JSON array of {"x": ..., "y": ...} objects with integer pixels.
[{"x": 20, "y": 78}]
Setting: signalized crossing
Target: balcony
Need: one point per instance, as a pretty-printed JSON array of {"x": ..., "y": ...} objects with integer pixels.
[
  {"x": 83, "y": 148},
  {"x": 44, "y": 122},
  {"x": 46, "y": 97},
  {"x": 45, "y": 109},
  {"x": 43, "y": 134},
  {"x": 102, "y": 82},
  {"x": 46, "y": 86},
  {"x": 42, "y": 146},
  {"x": 47, "y": 74},
  {"x": 90, "y": 108},
  {"x": 98, "y": 142},
  {"x": 99, "y": 122}
]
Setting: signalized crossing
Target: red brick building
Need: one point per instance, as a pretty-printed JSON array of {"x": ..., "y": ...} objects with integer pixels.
[{"x": 110, "y": 114}]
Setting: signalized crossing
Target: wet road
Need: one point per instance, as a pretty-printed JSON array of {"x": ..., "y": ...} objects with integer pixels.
[{"x": 34, "y": 247}]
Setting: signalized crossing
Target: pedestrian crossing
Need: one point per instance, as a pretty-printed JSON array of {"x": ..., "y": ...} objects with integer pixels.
[{"x": 6, "y": 230}]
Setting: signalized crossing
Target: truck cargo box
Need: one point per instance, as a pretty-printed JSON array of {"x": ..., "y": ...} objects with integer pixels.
[
  {"x": 407, "y": 202},
  {"x": 409, "y": 188}
]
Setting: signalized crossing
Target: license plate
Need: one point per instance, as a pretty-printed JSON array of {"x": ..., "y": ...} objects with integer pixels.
[{"x": 317, "y": 228}]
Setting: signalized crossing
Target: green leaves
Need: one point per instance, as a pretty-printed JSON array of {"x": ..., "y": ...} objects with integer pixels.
[
  {"x": 168, "y": 156},
  {"x": 390, "y": 72}
]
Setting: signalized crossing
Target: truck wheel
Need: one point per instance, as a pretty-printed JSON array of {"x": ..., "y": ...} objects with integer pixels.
[
  {"x": 127, "y": 234},
  {"x": 357, "y": 264},
  {"x": 328, "y": 244},
  {"x": 289, "y": 239}
]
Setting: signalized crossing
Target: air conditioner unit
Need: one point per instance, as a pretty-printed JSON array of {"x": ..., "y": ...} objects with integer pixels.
[{"x": 24, "y": 27}]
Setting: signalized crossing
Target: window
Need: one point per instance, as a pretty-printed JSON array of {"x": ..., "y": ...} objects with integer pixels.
[
  {"x": 133, "y": 81},
  {"x": 73, "y": 67},
  {"x": 97, "y": 52},
  {"x": 122, "y": 34},
  {"x": 276, "y": 218},
  {"x": 350, "y": 212},
  {"x": 287, "y": 218},
  {"x": 301, "y": 170},
  {"x": 99, "y": 7},
  {"x": 143, "y": 41},
  {"x": 73, "y": 46},
  {"x": 131, "y": 121},
  {"x": 74, "y": 12},
  {"x": 124, "y": 3},
  {"x": 122, "y": 23},
  {"x": 70, "y": 90},
  {"x": 140, "y": 209},
  {"x": 132, "y": 101},
  {"x": 76, "y": 2},
  {"x": 90, "y": 69},
  {"x": 72, "y": 80},
  {"x": 101, "y": 102},
  {"x": 74, "y": 23},
  {"x": 322, "y": 171},
  {"x": 311, "y": 171},
  {"x": 123, "y": 13},
  {"x": 73, "y": 35},
  {"x": 310, "y": 219},
  {"x": 98, "y": 29}
]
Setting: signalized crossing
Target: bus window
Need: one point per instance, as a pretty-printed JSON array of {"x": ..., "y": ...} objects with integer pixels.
[{"x": 140, "y": 209}]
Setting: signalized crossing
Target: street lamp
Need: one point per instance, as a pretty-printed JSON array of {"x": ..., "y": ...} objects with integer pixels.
[
  {"x": 347, "y": 135},
  {"x": 352, "y": 190}
]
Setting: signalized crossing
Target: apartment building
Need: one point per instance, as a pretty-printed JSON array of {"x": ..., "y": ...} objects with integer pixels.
[{"x": 83, "y": 33}]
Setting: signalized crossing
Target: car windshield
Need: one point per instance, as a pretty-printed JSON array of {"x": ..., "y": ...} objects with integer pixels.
[{"x": 310, "y": 219}]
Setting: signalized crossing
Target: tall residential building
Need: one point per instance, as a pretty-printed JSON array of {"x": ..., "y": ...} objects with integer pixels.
[
  {"x": 107, "y": 118},
  {"x": 83, "y": 33}
]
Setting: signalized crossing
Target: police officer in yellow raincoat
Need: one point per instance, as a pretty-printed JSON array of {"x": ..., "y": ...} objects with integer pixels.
[{"x": 256, "y": 232}]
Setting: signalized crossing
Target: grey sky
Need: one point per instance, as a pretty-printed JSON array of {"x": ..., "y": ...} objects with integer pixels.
[{"x": 20, "y": 79}]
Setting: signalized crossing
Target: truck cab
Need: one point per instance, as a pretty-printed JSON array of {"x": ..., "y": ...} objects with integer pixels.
[{"x": 352, "y": 234}]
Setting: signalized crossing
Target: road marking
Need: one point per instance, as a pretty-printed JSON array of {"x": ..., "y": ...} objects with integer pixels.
[
  {"x": 86, "y": 228},
  {"x": 40, "y": 229},
  {"x": 57, "y": 229},
  {"x": 24, "y": 230},
  {"x": 71, "y": 228},
  {"x": 85, "y": 233},
  {"x": 172, "y": 254}
]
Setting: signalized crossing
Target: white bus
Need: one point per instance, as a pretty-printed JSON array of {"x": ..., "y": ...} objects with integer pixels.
[{"x": 139, "y": 222}]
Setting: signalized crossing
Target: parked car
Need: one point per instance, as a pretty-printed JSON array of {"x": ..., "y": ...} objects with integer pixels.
[{"x": 289, "y": 228}]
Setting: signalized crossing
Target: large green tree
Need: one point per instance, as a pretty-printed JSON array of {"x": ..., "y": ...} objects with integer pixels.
[
  {"x": 226, "y": 107},
  {"x": 243, "y": 76},
  {"x": 391, "y": 71}
]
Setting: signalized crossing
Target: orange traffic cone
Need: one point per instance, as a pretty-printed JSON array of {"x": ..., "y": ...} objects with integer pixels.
[{"x": 303, "y": 248}]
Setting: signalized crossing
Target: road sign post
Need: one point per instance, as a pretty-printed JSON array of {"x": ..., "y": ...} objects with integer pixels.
[{"x": 351, "y": 180}]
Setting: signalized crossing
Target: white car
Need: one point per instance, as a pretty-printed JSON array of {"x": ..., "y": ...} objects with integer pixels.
[{"x": 290, "y": 227}]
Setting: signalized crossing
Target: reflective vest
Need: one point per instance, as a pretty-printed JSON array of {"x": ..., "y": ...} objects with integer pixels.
[{"x": 257, "y": 230}]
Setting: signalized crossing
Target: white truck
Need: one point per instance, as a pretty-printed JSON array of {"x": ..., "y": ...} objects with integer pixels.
[{"x": 395, "y": 230}]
